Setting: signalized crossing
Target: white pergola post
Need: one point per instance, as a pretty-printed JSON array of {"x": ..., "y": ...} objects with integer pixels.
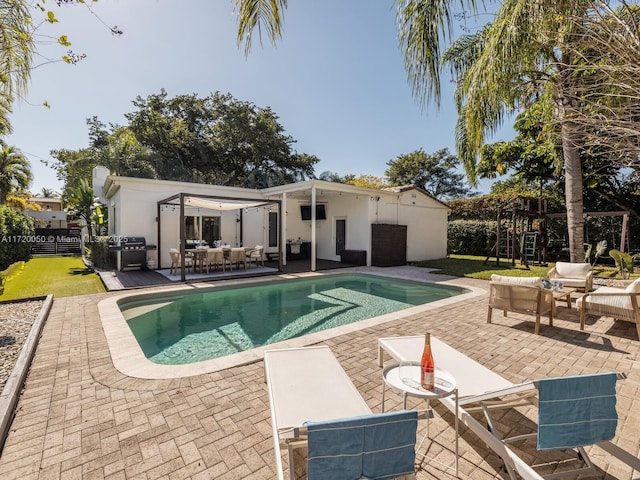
[
  {"x": 313, "y": 228},
  {"x": 283, "y": 233}
]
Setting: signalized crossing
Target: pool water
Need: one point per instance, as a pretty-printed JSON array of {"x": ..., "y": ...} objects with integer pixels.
[{"x": 212, "y": 323}]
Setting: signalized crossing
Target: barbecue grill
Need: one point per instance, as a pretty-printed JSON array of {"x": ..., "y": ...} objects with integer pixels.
[{"x": 132, "y": 252}]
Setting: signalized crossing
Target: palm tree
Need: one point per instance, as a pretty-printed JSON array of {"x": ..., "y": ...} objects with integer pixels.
[
  {"x": 523, "y": 56},
  {"x": 16, "y": 52},
  {"x": 526, "y": 47},
  {"x": 15, "y": 171},
  {"x": 81, "y": 203},
  {"x": 48, "y": 193}
]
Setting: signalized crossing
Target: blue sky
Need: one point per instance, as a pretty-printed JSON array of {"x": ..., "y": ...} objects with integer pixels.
[{"x": 336, "y": 79}]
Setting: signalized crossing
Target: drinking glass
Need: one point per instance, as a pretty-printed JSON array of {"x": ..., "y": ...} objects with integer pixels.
[{"x": 407, "y": 372}]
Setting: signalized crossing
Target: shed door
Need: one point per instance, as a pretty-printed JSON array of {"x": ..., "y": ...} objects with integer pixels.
[{"x": 341, "y": 235}]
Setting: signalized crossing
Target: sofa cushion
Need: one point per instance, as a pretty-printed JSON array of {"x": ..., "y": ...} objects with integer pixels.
[
  {"x": 573, "y": 270},
  {"x": 617, "y": 305},
  {"x": 535, "y": 281},
  {"x": 633, "y": 287}
]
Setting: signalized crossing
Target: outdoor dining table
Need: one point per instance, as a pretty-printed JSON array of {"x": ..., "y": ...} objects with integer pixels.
[{"x": 199, "y": 257}]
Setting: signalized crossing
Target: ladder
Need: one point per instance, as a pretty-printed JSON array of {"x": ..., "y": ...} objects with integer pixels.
[
  {"x": 529, "y": 246},
  {"x": 506, "y": 245}
]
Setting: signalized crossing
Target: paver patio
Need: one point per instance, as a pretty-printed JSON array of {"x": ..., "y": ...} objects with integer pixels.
[{"x": 78, "y": 417}]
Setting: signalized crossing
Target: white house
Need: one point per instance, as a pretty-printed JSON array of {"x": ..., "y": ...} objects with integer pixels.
[
  {"x": 51, "y": 213},
  {"x": 322, "y": 220}
]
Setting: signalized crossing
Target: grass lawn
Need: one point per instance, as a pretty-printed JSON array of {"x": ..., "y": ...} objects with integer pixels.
[
  {"x": 474, "y": 267},
  {"x": 61, "y": 276}
]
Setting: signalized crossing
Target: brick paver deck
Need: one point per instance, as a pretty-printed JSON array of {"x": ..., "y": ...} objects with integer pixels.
[{"x": 80, "y": 418}]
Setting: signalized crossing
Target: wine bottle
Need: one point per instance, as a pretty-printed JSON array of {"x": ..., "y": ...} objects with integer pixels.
[{"x": 427, "y": 366}]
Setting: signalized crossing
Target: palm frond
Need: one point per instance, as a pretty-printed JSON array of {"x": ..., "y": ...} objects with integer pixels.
[
  {"x": 423, "y": 27},
  {"x": 260, "y": 14}
]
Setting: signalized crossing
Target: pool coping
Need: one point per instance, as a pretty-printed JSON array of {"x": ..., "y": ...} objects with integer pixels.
[{"x": 129, "y": 359}]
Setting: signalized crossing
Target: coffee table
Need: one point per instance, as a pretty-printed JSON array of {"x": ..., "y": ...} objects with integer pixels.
[{"x": 563, "y": 293}]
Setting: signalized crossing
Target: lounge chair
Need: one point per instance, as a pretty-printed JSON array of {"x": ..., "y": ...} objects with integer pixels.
[
  {"x": 176, "y": 263},
  {"x": 573, "y": 275},
  {"x": 618, "y": 303},
  {"x": 310, "y": 395},
  {"x": 521, "y": 295},
  {"x": 482, "y": 390}
]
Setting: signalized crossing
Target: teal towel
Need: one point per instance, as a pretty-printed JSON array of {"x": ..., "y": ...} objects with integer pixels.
[
  {"x": 576, "y": 411},
  {"x": 379, "y": 446}
]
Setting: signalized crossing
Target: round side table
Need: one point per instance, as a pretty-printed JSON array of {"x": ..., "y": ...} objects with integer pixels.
[{"x": 409, "y": 386}]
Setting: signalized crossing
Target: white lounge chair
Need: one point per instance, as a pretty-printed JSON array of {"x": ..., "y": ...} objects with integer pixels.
[
  {"x": 481, "y": 389},
  {"x": 309, "y": 392},
  {"x": 618, "y": 303}
]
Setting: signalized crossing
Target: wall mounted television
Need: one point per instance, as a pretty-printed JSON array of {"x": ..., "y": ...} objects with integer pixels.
[{"x": 305, "y": 212}]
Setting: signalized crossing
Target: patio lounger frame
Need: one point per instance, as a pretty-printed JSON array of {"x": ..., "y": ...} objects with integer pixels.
[
  {"x": 481, "y": 389},
  {"x": 306, "y": 384}
]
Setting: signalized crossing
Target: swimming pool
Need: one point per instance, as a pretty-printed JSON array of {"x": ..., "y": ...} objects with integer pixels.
[
  {"x": 129, "y": 359},
  {"x": 202, "y": 325}
]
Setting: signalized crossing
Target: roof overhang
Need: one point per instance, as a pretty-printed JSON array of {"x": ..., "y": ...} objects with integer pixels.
[{"x": 300, "y": 190}]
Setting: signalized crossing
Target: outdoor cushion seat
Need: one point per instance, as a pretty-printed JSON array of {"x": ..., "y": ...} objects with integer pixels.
[
  {"x": 573, "y": 275},
  {"x": 520, "y": 295},
  {"x": 617, "y": 303}
]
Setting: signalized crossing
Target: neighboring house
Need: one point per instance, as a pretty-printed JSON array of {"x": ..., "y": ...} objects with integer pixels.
[
  {"x": 375, "y": 225},
  {"x": 51, "y": 214}
]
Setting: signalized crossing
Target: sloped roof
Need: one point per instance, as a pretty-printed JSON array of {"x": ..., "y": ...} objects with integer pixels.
[{"x": 411, "y": 186}]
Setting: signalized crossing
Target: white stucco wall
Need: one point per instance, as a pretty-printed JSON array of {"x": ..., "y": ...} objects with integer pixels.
[
  {"x": 426, "y": 221},
  {"x": 353, "y": 210}
]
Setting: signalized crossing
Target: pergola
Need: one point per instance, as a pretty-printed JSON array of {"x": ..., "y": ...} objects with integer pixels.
[{"x": 213, "y": 202}]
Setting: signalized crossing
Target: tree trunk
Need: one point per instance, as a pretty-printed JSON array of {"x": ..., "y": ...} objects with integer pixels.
[
  {"x": 568, "y": 104},
  {"x": 573, "y": 191}
]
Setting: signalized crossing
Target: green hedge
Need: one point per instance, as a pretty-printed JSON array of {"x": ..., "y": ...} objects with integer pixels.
[
  {"x": 16, "y": 236},
  {"x": 100, "y": 254},
  {"x": 471, "y": 237}
]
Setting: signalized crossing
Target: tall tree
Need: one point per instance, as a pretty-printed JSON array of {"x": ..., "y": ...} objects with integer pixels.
[
  {"x": 524, "y": 51},
  {"x": 217, "y": 139},
  {"x": 15, "y": 171},
  {"x": 606, "y": 45},
  {"x": 71, "y": 167},
  {"x": 16, "y": 52},
  {"x": 367, "y": 181},
  {"x": 433, "y": 173},
  {"x": 522, "y": 56}
]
